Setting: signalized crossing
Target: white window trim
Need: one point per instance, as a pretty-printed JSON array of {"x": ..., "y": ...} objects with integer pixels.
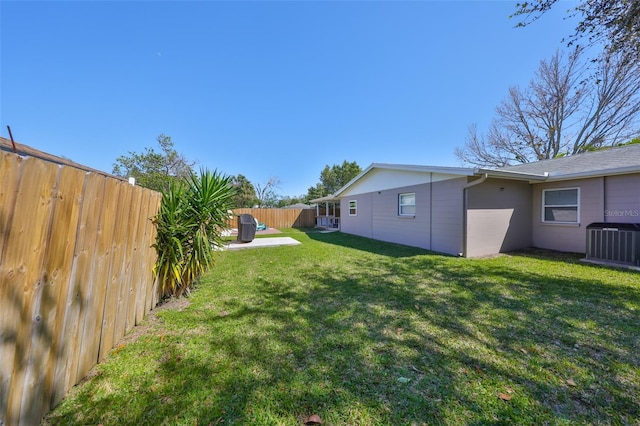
[
  {"x": 355, "y": 207},
  {"x": 542, "y": 203},
  {"x": 400, "y": 205}
]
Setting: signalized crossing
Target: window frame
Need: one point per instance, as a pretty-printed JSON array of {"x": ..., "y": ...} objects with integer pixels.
[
  {"x": 545, "y": 206},
  {"x": 354, "y": 208},
  {"x": 401, "y": 205}
]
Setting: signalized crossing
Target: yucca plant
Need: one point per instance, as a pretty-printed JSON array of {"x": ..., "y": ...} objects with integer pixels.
[
  {"x": 209, "y": 199},
  {"x": 192, "y": 215}
]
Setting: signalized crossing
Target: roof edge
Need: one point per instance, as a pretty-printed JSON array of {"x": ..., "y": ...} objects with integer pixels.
[{"x": 461, "y": 171}]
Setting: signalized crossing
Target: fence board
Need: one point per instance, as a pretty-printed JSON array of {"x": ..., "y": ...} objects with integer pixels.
[
  {"x": 66, "y": 372},
  {"x": 24, "y": 262},
  {"x": 90, "y": 343},
  {"x": 151, "y": 297},
  {"x": 135, "y": 257},
  {"x": 114, "y": 277},
  {"x": 123, "y": 296},
  {"x": 9, "y": 174},
  {"x": 59, "y": 261},
  {"x": 32, "y": 409},
  {"x": 139, "y": 276}
]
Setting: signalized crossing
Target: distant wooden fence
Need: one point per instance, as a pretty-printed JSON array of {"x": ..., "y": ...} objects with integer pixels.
[
  {"x": 75, "y": 275},
  {"x": 279, "y": 218}
]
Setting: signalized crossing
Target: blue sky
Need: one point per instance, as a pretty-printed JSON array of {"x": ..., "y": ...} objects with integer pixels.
[{"x": 263, "y": 88}]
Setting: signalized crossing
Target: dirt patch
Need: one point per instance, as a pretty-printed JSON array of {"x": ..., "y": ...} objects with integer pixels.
[{"x": 151, "y": 321}]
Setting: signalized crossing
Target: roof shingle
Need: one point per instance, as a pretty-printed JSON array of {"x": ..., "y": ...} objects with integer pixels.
[{"x": 624, "y": 157}]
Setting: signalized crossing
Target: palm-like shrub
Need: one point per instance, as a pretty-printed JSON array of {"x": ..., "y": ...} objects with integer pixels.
[{"x": 192, "y": 215}]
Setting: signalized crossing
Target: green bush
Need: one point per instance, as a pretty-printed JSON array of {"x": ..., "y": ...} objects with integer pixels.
[{"x": 192, "y": 215}]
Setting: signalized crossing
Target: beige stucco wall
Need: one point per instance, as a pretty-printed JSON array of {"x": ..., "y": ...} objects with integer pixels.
[
  {"x": 387, "y": 225},
  {"x": 448, "y": 216},
  {"x": 498, "y": 217},
  {"x": 437, "y": 224},
  {"x": 622, "y": 198},
  {"x": 568, "y": 237},
  {"x": 497, "y": 220},
  {"x": 361, "y": 223}
]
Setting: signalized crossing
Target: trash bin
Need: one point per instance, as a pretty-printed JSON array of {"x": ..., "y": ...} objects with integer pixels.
[{"x": 246, "y": 228}]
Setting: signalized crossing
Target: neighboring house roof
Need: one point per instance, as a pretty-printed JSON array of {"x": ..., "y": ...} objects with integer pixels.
[
  {"x": 617, "y": 160},
  {"x": 27, "y": 151},
  {"x": 298, "y": 206}
]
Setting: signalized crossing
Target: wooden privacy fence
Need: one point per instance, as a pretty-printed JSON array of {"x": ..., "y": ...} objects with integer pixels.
[
  {"x": 279, "y": 218},
  {"x": 75, "y": 276}
]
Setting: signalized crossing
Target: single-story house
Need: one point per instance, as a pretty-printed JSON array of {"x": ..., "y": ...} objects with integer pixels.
[{"x": 475, "y": 212}]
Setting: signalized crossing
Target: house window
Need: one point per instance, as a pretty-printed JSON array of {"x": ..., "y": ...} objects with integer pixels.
[
  {"x": 407, "y": 204},
  {"x": 560, "y": 205},
  {"x": 353, "y": 208}
]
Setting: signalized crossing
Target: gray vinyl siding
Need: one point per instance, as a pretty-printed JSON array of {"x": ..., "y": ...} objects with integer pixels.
[
  {"x": 498, "y": 217},
  {"x": 568, "y": 237},
  {"x": 622, "y": 199}
]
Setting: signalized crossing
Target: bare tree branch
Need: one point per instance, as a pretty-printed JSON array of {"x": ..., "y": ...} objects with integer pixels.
[
  {"x": 561, "y": 113},
  {"x": 266, "y": 193}
]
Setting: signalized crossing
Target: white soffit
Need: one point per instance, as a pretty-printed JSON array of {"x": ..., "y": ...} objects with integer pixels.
[{"x": 383, "y": 179}]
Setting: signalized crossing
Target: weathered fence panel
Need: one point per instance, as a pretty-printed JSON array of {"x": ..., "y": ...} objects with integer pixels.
[
  {"x": 279, "y": 218},
  {"x": 23, "y": 261},
  {"x": 76, "y": 262},
  {"x": 60, "y": 254},
  {"x": 9, "y": 295}
]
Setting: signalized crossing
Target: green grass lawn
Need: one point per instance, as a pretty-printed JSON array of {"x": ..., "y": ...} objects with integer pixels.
[{"x": 361, "y": 332}]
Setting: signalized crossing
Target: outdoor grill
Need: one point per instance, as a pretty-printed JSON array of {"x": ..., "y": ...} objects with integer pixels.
[{"x": 246, "y": 228}]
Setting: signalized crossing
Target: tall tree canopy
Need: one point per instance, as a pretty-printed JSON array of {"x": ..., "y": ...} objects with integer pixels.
[
  {"x": 333, "y": 178},
  {"x": 155, "y": 170},
  {"x": 245, "y": 192},
  {"x": 561, "y": 112},
  {"x": 616, "y": 23}
]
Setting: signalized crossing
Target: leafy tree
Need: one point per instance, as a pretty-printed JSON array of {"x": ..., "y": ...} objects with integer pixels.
[
  {"x": 245, "y": 192},
  {"x": 152, "y": 169},
  {"x": 633, "y": 141},
  {"x": 333, "y": 178},
  {"x": 192, "y": 214},
  {"x": 560, "y": 113},
  {"x": 265, "y": 194},
  {"x": 616, "y": 23},
  {"x": 316, "y": 191}
]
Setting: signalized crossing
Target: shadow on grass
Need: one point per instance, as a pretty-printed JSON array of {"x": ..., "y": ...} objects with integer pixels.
[
  {"x": 396, "y": 337},
  {"x": 367, "y": 244}
]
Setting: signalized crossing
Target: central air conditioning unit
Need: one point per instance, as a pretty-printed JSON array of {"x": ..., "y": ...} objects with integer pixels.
[{"x": 614, "y": 242}]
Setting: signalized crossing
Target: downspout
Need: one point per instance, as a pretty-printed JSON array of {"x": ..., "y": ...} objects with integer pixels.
[
  {"x": 604, "y": 199},
  {"x": 431, "y": 211},
  {"x": 465, "y": 195}
]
